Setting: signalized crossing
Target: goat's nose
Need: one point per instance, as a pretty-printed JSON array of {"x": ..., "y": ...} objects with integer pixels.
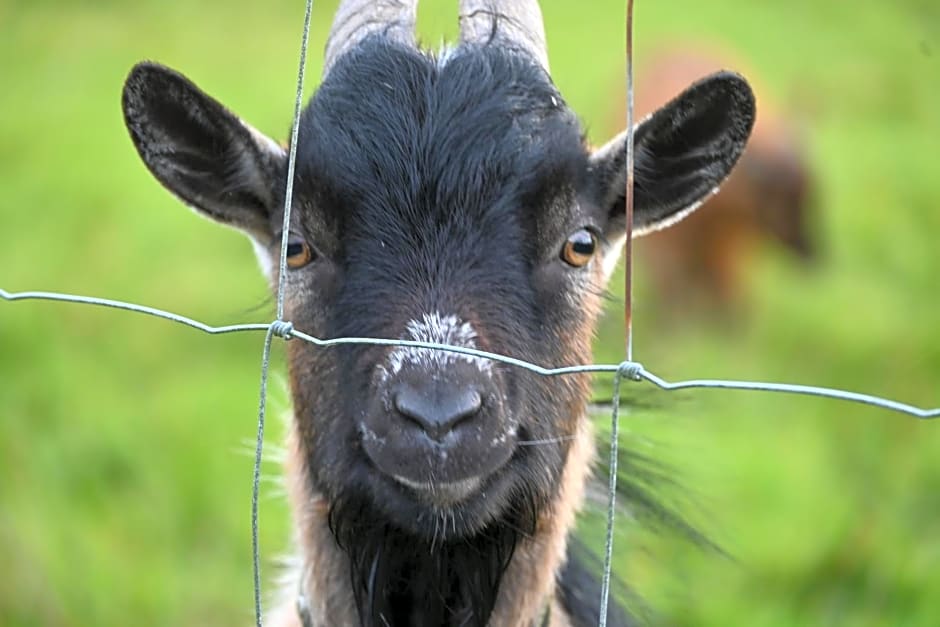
[{"x": 436, "y": 407}]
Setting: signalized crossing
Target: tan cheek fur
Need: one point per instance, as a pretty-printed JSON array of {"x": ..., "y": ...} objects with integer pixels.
[
  {"x": 529, "y": 581},
  {"x": 324, "y": 569}
]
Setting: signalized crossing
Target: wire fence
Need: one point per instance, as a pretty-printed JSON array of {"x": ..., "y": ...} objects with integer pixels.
[
  {"x": 631, "y": 370},
  {"x": 627, "y": 370}
]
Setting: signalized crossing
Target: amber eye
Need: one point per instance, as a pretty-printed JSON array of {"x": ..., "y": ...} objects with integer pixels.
[
  {"x": 579, "y": 248},
  {"x": 299, "y": 253}
]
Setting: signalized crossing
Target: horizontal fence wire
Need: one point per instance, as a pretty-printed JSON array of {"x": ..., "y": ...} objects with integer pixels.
[{"x": 632, "y": 370}]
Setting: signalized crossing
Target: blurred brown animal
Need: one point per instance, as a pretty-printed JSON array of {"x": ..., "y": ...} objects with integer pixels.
[{"x": 703, "y": 260}]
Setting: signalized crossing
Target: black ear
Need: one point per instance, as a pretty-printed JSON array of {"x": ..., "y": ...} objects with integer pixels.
[
  {"x": 200, "y": 151},
  {"x": 682, "y": 152}
]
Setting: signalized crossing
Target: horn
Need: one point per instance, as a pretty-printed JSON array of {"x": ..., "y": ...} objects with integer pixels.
[
  {"x": 357, "y": 19},
  {"x": 516, "y": 23}
]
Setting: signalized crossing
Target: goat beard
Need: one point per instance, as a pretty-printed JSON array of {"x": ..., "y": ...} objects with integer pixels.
[{"x": 400, "y": 578}]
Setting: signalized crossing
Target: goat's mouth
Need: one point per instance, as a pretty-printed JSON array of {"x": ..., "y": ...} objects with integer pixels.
[
  {"x": 423, "y": 506},
  {"x": 441, "y": 474},
  {"x": 414, "y": 483},
  {"x": 442, "y": 494}
]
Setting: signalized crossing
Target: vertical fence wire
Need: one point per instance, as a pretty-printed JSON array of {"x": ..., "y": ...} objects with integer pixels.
[
  {"x": 256, "y": 475},
  {"x": 628, "y": 192},
  {"x": 626, "y": 368},
  {"x": 278, "y": 327}
]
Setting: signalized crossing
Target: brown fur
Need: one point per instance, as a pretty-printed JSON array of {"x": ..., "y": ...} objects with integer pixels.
[
  {"x": 530, "y": 578},
  {"x": 704, "y": 259}
]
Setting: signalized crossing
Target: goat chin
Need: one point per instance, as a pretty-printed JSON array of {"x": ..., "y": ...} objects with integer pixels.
[
  {"x": 504, "y": 574},
  {"x": 442, "y": 494}
]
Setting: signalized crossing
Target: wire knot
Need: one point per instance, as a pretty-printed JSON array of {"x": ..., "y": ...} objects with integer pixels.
[
  {"x": 630, "y": 370},
  {"x": 282, "y": 328}
]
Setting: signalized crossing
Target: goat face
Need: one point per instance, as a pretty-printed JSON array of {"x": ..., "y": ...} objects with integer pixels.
[
  {"x": 446, "y": 199},
  {"x": 453, "y": 189}
]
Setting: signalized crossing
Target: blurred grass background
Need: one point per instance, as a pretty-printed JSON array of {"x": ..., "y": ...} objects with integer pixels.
[{"x": 124, "y": 468}]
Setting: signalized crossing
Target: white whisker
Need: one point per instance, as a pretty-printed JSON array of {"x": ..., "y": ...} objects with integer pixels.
[{"x": 564, "y": 438}]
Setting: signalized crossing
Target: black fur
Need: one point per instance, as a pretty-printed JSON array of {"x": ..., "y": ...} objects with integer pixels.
[
  {"x": 683, "y": 151},
  {"x": 198, "y": 149},
  {"x": 399, "y": 578},
  {"x": 465, "y": 164}
]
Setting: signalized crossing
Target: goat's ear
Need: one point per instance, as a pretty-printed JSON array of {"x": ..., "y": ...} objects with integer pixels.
[
  {"x": 201, "y": 151},
  {"x": 683, "y": 151}
]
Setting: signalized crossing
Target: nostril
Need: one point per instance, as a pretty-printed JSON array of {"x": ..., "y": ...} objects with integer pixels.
[{"x": 435, "y": 408}]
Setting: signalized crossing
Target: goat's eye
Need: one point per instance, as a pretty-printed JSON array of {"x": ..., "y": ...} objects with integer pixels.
[
  {"x": 579, "y": 248},
  {"x": 299, "y": 253}
]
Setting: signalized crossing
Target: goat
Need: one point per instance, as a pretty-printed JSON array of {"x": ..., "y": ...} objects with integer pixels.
[
  {"x": 769, "y": 195},
  {"x": 451, "y": 198}
]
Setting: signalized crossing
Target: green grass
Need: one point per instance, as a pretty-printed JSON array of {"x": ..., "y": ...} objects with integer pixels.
[{"x": 124, "y": 468}]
